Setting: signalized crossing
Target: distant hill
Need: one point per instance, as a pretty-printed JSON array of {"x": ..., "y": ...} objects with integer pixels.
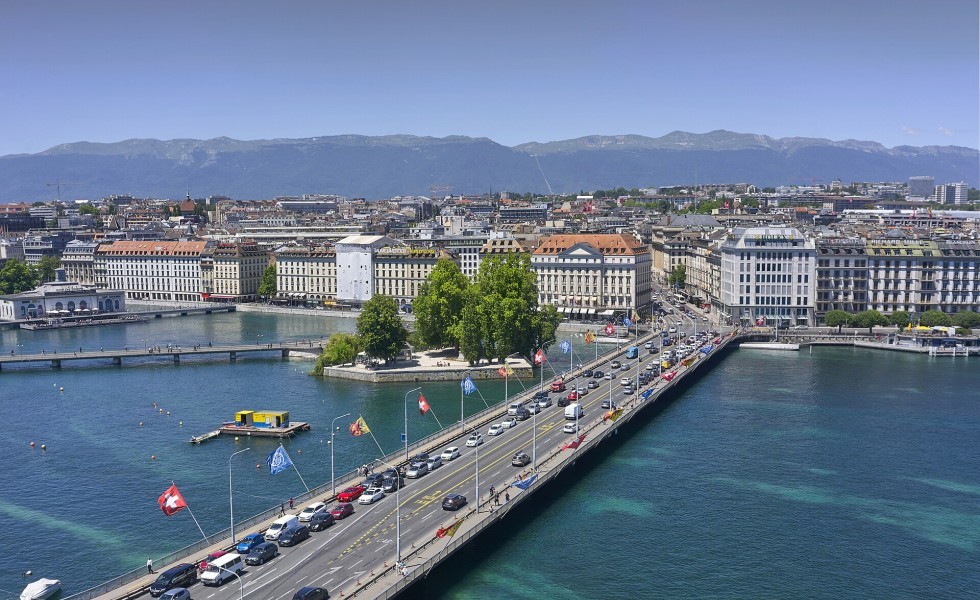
[{"x": 380, "y": 167}]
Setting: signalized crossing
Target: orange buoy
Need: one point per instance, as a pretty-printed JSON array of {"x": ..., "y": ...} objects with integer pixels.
[
  {"x": 153, "y": 457},
  {"x": 32, "y": 444},
  {"x": 258, "y": 466}
]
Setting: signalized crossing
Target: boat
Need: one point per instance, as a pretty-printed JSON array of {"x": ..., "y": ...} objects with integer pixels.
[
  {"x": 41, "y": 589},
  {"x": 56, "y": 323},
  {"x": 769, "y": 346}
]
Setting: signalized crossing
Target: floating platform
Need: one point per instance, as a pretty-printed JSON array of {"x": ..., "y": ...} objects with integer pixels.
[{"x": 280, "y": 432}]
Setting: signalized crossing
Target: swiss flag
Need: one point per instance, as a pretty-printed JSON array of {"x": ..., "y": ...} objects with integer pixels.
[
  {"x": 171, "y": 501},
  {"x": 423, "y": 405},
  {"x": 610, "y": 329},
  {"x": 539, "y": 358}
]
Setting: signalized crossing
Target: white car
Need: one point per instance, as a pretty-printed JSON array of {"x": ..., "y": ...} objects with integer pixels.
[
  {"x": 450, "y": 453},
  {"x": 582, "y": 391},
  {"x": 650, "y": 366},
  {"x": 570, "y": 428},
  {"x": 307, "y": 513},
  {"x": 371, "y": 495},
  {"x": 474, "y": 440},
  {"x": 533, "y": 408},
  {"x": 625, "y": 381},
  {"x": 607, "y": 376},
  {"x": 495, "y": 429},
  {"x": 672, "y": 330},
  {"x": 508, "y": 423}
]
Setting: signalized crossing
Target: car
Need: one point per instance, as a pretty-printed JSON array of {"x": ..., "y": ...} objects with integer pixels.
[
  {"x": 557, "y": 386},
  {"x": 680, "y": 324},
  {"x": 582, "y": 391},
  {"x": 544, "y": 402},
  {"x": 350, "y": 494},
  {"x": 520, "y": 459},
  {"x": 626, "y": 368},
  {"x": 625, "y": 381},
  {"x": 176, "y": 576},
  {"x": 391, "y": 484},
  {"x": 176, "y": 594},
  {"x": 572, "y": 396},
  {"x": 417, "y": 469},
  {"x": 508, "y": 423},
  {"x": 650, "y": 367},
  {"x": 563, "y": 401},
  {"x": 653, "y": 350},
  {"x": 265, "y": 551},
  {"x": 474, "y": 440},
  {"x": 540, "y": 394},
  {"x": 615, "y": 364},
  {"x": 321, "y": 521},
  {"x": 587, "y": 373},
  {"x": 434, "y": 463},
  {"x": 570, "y": 428},
  {"x": 203, "y": 565},
  {"x": 531, "y": 409},
  {"x": 598, "y": 374},
  {"x": 294, "y": 535},
  {"x": 628, "y": 390},
  {"x": 307, "y": 513},
  {"x": 342, "y": 511},
  {"x": 593, "y": 384},
  {"x": 371, "y": 495},
  {"x": 648, "y": 345},
  {"x": 495, "y": 429},
  {"x": 372, "y": 480},
  {"x": 420, "y": 457},
  {"x": 450, "y": 453},
  {"x": 606, "y": 404},
  {"x": 453, "y": 502},
  {"x": 704, "y": 318},
  {"x": 607, "y": 376},
  {"x": 672, "y": 330},
  {"x": 248, "y": 542},
  {"x": 311, "y": 593},
  {"x": 801, "y": 327}
]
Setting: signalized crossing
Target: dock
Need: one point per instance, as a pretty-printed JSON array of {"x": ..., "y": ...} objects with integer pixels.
[{"x": 279, "y": 432}]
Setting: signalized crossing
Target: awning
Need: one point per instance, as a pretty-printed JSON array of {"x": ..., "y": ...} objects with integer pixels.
[
  {"x": 607, "y": 313},
  {"x": 590, "y": 311}
]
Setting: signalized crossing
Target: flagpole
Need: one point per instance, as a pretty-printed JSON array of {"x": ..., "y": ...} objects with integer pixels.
[
  {"x": 406, "y": 419},
  {"x": 462, "y": 413},
  {"x": 297, "y": 470},
  {"x": 188, "y": 506},
  {"x": 436, "y": 418},
  {"x": 398, "y": 501}
]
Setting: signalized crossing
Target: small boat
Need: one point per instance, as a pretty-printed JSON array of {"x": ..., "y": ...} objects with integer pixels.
[
  {"x": 41, "y": 589},
  {"x": 769, "y": 346}
]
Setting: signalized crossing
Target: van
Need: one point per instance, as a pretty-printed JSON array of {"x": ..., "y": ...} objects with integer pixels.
[
  {"x": 222, "y": 568},
  {"x": 514, "y": 407},
  {"x": 573, "y": 411},
  {"x": 280, "y": 525},
  {"x": 182, "y": 575}
]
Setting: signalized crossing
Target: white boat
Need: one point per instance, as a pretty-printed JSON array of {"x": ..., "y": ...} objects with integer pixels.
[
  {"x": 769, "y": 346},
  {"x": 41, "y": 589}
]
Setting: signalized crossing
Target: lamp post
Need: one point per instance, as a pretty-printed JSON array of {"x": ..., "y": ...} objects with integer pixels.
[
  {"x": 231, "y": 503},
  {"x": 333, "y": 430},
  {"x": 241, "y": 584},
  {"x": 406, "y": 419}
]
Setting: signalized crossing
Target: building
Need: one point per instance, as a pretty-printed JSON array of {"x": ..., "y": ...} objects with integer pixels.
[
  {"x": 399, "y": 271},
  {"x": 306, "y": 273},
  {"x": 152, "y": 270},
  {"x": 596, "y": 274},
  {"x": 78, "y": 261},
  {"x": 921, "y": 187},
  {"x": 952, "y": 193},
  {"x": 232, "y": 272},
  {"x": 767, "y": 276},
  {"x": 841, "y": 276},
  {"x": 60, "y": 298},
  {"x": 51, "y": 245},
  {"x": 957, "y": 281}
]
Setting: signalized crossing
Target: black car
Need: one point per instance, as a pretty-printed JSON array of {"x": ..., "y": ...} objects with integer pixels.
[
  {"x": 391, "y": 484},
  {"x": 294, "y": 535},
  {"x": 598, "y": 375},
  {"x": 182, "y": 575},
  {"x": 522, "y": 414},
  {"x": 311, "y": 593},
  {"x": 453, "y": 502},
  {"x": 262, "y": 553},
  {"x": 420, "y": 457},
  {"x": 541, "y": 395},
  {"x": 588, "y": 373},
  {"x": 321, "y": 521},
  {"x": 563, "y": 401},
  {"x": 521, "y": 459},
  {"x": 372, "y": 480}
]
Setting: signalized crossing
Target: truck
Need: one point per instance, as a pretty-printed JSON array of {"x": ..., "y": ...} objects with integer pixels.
[
  {"x": 632, "y": 352},
  {"x": 573, "y": 411},
  {"x": 558, "y": 386}
]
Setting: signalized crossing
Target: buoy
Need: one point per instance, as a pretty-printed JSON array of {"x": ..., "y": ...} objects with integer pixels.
[
  {"x": 154, "y": 405},
  {"x": 236, "y": 438},
  {"x": 258, "y": 466},
  {"x": 32, "y": 444},
  {"x": 153, "y": 457},
  {"x": 161, "y": 410},
  {"x": 43, "y": 447},
  {"x": 141, "y": 423},
  {"x": 299, "y": 452},
  {"x": 62, "y": 390},
  {"x": 181, "y": 424},
  {"x": 168, "y": 413}
]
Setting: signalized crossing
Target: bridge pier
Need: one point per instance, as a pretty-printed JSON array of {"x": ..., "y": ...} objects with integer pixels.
[
  {"x": 176, "y": 359},
  {"x": 56, "y": 364},
  {"x": 285, "y": 352},
  {"x": 232, "y": 356},
  {"x": 117, "y": 360}
]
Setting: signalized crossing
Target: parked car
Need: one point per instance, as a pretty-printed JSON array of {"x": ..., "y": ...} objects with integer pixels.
[
  {"x": 311, "y": 593},
  {"x": 453, "y": 502},
  {"x": 495, "y": 429},
  {"x": 508, "y": 422},
  {"x": 176, "y": 594},
  {"x": 570, "y": 428},
  {"x": 520, "y": 459},
  {"x": 321, "y": 521},
  {"x": 307, "y": 513},
  {"x": 416, "y": 470},
  {"x": 350, "y": 494},
  {"x": 248, "y": 542},
  {"x": 371, "y": 495},
  {"x": 342, "y": 510},
  {"x": 450, "y": 453},
  {"x": 262, "y": 553},
  {"x": 294, "y": 535},
  {"x": 474, "y": 440}
]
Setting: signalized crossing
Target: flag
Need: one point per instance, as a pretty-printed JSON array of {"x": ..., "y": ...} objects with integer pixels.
[
  {"x": 539, "y": 357},
  {"x": 566, "y": 347},
  {"x": 525, "y": 483},
  {"x": 171, "y": 501},
  {"x": 423, "y": 405},
  {"x": 636, "y": 317},
  {"x": 502, "y": 371},
  {"x": 574, "y": 443},
  {"x": 468, "y": 386},
  {"x": 647, "y": 393},
  {"x": 610, "y": 329},
  {"x": 449, "y": 531},
  {"x": 627, "y": 322},
  {"x": 760, "y": 321},
  {"x": 359, "y": 427},
  {"x": 589, "y": 337},
  {"x": 668, "y": 376},
  {"x": 278, "y": 460},
  {"x": 612, "y": 415}
]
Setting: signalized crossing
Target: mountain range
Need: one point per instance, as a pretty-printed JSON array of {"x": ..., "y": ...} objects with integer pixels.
[{"x": 385, "y": 166}]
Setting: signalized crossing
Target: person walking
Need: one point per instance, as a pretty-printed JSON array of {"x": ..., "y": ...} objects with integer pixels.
[
  {"x": 506, "y": 496},
  {"x": 282, "y": 509},
  {"x": 290, "y": 504},
  {"x": 149, "y": 565}
]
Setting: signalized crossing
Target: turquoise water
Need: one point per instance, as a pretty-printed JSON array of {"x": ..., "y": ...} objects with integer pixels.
[{"x": 839, "y": 473}]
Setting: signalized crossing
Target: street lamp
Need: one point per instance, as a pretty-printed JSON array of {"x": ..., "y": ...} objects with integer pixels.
[
  {"x": 406, "y": 419},
  {"x": 231, "y": 503},
  {"x": 333, "y": 430},
  {"x": 240, "y": 582}
]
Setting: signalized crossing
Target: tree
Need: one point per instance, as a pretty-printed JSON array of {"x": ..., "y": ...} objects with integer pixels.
[
  {"x": 439, "y": 305},
  {"x": 869, "y": 319},
  {"x": 900, "y": 318},
  {"x": 381, "y": 329},
  {"x": 88, "y": 209},
  {"x": 341, "y": 348},
  {"x": 508, "y": 292},
  {"x": 471, "y": 327},
  {"x": 45, "y": 268},
  {"x": 267, "y": 287},
  {"x": 935, "y": 318},
  {"x": 16, "y": 277},
  {"x": 678, "y": 276},
  {"x": 966, "y": 319},
  {"x": 836, "y": 318}
]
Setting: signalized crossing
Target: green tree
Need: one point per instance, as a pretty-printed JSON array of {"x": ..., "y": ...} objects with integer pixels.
[
  {"x": 966, "y": 319},
  {"x": 439, "y": 306},
  {"x": 900, "y": 318},
  {"x": 267, "y": 287},
  {"x": 88, "y": 209},
  {"x": 341, "y": 348},
  {"x": 508, "y": 292},
  {"x": 45, "y": 268},
  {"x": 16, "y": 277},
  {"x": 869, "y": 319},
  {"x": 836, "y": 318},
  {"x": 471, "y": 327},
  {"x": 677, "y": 277},
  {"x": 381, "y": 329},
  {"x": 935, "y": 318}
]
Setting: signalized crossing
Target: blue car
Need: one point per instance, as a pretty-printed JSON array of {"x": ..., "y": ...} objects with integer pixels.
[{"x": 248, "y": 542}]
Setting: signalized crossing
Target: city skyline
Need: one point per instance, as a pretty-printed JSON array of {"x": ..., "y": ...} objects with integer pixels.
[{"x": 106, "y": 71}]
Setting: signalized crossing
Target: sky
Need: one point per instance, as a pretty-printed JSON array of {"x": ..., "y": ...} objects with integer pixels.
[{"x": 899, "y": 72}]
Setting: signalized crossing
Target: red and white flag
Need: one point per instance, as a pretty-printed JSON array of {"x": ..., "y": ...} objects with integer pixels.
[
  {"x": 423, "y": 405},
  {"x": 539, "y": 358},
  {"x": 610, "y": 329},
  {"x": 172, "y": 501}
]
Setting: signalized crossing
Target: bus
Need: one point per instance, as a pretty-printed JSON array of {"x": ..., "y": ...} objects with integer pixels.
[{"x": 632, "y": 352}]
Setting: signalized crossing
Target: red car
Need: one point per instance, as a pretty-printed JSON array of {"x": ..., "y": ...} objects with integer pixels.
[
  {"x": 350, "y": 494},
  {"x": 572, "y": 395},
  {"x": 342, "y": 510},
  {"x": 203, "y": 565}
]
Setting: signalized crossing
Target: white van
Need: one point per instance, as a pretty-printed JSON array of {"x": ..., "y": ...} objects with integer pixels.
[
  {"x": 514, "y": 408},
  {"x": 279, "y": 525},
  {"x": 573, "y": 411},
  {"x": 220, "y": 569}
]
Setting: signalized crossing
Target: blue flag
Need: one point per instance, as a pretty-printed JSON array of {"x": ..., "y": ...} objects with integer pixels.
[
  {"x": 566, "y": 347},
  {"x": 468, "y": 386},
  {"x": 627, "y": 322},
  {"x": 525, "y": 483},
  {"x": 647, "y": 393},
  {"x": 278, "y": 460}
]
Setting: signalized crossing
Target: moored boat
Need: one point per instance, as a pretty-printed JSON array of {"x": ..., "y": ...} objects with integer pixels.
[{"x": 41, "y": 589}]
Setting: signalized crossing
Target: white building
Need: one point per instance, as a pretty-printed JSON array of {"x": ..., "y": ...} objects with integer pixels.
[
  {"x": 60, "y": 298},
  {"x": 355, "y": 266},
  {"x": 152, "y": 270}
]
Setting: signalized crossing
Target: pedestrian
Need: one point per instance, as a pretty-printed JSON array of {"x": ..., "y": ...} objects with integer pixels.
[
  {"x": 282, "y": 509},
  {"x": 496, "y": 498},
  {"x": 149, "y": 565},
  {"x": 506, "y": 496},
  {"x": 290, "y": 504}
]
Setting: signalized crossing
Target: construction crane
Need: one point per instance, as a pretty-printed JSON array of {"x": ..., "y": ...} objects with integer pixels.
[{"x": 58, "y": 184}]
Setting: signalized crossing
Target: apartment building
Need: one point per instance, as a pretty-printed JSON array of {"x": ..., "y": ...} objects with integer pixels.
[
  {"x": 232, "y": 271},
  {"x": 841, "y": 276},
  {"x": 152, "y": 270},
  {"x": 78, "y": 261}
]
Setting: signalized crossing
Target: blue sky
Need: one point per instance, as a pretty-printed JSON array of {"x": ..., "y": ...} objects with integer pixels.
[{"x": 893, "y": 71}]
